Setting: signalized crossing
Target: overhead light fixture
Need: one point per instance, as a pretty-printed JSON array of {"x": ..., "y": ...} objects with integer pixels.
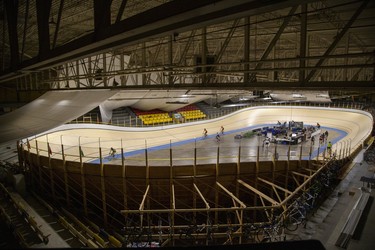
[{"x": 298, "y": 96}]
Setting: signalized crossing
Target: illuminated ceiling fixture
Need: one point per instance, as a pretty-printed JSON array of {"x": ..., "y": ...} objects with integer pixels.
[
  {"x": 322, "y": 96},
  {"x": 298, "y": 96}
]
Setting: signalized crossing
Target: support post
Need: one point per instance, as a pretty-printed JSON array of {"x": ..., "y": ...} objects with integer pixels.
[
  {"x": 38, "y": 164},
  {"x": 83, "y": 180},
  {"x": 66, "y": 179},
  {"x": 50, "y": 168},
  {"x": 102, "y": 185},
  {"x": 124, "y": 187}
]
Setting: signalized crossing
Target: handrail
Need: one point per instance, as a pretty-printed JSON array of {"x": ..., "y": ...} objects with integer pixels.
[{"x": 29, "y": 219}]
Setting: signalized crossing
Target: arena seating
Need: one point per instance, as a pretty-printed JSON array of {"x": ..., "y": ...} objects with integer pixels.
[
  {"x": 191, "y": 112},
  {"x": 153, "y": 116}
]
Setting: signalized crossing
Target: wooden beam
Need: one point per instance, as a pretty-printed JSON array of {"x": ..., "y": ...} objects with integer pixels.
[
  {"x": 231, "y": 194},
  {"x": 201, "y": 195},
  {"x": 142, "y": 205},
  {"x": 173, "y": 198},
  {"x": 303, "y": 175},
  {"x": 277, "y": 194},
  {"x": 295, "y": 179},
  {"x": 184, "y": 210},
  {"x": 190, "y": 210},
  {"x": 310, "y": 170},
  {"x": 274, "y": 185},
  {"x": 259, "y": 193}
]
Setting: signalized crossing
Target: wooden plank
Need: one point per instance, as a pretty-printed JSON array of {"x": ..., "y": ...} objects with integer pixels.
[
  {"x": 201, "y": 195},
  {"x": 231, "y": 194},
  {"x": 266, "y": 197}
]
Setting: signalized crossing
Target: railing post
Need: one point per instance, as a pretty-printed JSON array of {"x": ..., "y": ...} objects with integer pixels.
[
  {"x": 195, "y": 158},
  {"x": 102, "y": 184},
  {"x": 49, "y": 152},
  {"x": 217, "y": 159},
  {"x": 83, "y": 180},
  {"x": 257, "y": 163},
  {"x": 66, "y": 179},
  {"x": 239, "y": 159},
  {"x": 124, "y": 187},
  {"x": 170, "y": 154},
  {"x": 38, "y": 163}
]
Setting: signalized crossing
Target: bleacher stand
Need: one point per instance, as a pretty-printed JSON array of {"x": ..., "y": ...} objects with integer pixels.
[
  {"x": 152, "y": 117},
  {"x": 191, "y": 112}
]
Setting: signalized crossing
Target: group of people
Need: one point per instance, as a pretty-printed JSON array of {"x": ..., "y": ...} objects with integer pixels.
[
  {"x": 205, "y": 133},
  {"x": 323, "y": 138}
]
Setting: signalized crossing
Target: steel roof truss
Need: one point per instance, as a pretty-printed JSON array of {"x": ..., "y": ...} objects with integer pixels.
[{"x": 338, "y": 38}]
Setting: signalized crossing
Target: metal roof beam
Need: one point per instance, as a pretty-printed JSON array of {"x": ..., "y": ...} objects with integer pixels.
[
  {"x": 58, "y": 23},
  {"x": 25, "y": 28},
  {"x": 338, "y": 38},
  {"x": 121, "y": 10},
  {"x": 43, "y": 8},
  {"x": 11, "y": 8},
  {"x": 102, "y": 17},
  {"x": 174, "y": 16},
  {"x": 275, "y": 38}
]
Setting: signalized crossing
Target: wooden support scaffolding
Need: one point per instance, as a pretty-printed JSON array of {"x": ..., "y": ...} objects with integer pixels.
[{"x": 260, "y": 194}]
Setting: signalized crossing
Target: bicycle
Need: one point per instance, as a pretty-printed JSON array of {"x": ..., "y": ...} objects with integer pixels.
[
  {"x": 296, "y": 217},
  {"x": 271, "y": 232},
  {"x": 187, "y": 234},
  {"x": 249, "y": 233}
]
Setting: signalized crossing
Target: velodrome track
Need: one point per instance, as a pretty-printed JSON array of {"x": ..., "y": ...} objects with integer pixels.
[{"x": 356, "y": 123}]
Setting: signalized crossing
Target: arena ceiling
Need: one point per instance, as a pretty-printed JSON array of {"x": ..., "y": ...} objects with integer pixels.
[{"x": 246, "y": 45}]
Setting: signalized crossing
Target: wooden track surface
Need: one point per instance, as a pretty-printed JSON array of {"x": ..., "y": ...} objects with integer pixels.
[{"x": 357, "y": 124}]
